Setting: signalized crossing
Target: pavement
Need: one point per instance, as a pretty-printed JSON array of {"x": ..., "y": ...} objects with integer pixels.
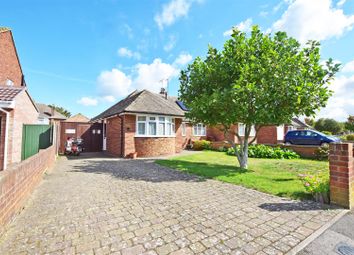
[
  {"x": 338, "y": 239},
  {"x": 102, "y": 205}
]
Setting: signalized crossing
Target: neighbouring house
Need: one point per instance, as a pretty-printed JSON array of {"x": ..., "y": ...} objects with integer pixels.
[
  {"x": 78, "y": 118},
  {"x": 150, "y": 124},
  {"x": 16, "y": 105},
  {"x": 48, "y": 115}
]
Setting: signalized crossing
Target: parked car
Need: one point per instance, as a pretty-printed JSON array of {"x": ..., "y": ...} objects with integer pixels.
[{"x": 309, "y": 137}]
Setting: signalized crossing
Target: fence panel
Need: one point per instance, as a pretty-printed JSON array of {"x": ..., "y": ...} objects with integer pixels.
[{"x": 35, "y": 138}]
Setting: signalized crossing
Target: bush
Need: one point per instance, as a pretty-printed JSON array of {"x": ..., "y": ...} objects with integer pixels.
[
  {"x": 322, "y": 153},
  {"x": 349, "y": 137},
  {"x": 263, "y": 151},
  {"x": 317, "y": 185},
  {"x": 200, "y": 145},
  {"x": 327, "y": 132}
]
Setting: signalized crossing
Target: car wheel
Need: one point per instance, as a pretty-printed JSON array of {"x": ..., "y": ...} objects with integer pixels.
[
  {"x": 324, "y": 144},
  {"x": 287, "y": 143}
]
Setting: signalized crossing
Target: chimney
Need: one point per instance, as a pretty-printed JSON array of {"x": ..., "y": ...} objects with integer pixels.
[{"x": 163, "y": 92}]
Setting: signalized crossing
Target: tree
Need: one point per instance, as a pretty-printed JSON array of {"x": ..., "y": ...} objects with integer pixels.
[
  {"x": 61, "y": 110},
  {"x": 349, "y": 124},
  {"x": 310, "y": 121},
  {"x": 329, "y": 125},
  {"x": 256, "y": 80}
]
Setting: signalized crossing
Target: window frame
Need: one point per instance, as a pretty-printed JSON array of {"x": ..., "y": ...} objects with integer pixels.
[
  {"x": 198, "y": 128},
  {"x": 169, "y": 122}
]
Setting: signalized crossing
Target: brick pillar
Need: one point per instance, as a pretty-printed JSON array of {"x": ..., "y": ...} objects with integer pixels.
[{"x": 341, "y": 169}]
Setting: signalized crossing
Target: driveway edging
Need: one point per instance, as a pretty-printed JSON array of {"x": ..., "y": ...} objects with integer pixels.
[{"x": 317, "y": 233}]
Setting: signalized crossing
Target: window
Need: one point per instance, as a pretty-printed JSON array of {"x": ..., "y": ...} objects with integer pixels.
[
  {"x": 155, "y": 126},
  {"x": 241, "y": 129},
  {"x": 253, "y": 131},
  {"x": 199, "y": 130},
  {"x": 9, "y": 83},
  {"x": 183, "y": 129},
  {"x": 290, "y": 128}
]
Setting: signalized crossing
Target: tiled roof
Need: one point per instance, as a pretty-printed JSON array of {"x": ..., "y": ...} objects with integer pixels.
[
  {"x": 9, "y": 93},
  {"x": 47, "y": 111},
  {"x": 144, "y": 102},
  {"x": 78, "y": 118},
  {"x": 4, "y": 29}
]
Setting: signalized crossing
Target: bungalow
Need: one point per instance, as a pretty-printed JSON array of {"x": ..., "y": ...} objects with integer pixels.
[
  {"x": 150, "y": 124},
  {"x": 16, "y": 105}
]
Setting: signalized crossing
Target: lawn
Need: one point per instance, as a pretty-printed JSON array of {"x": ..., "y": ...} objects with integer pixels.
[{"x": 274, "y": 176}]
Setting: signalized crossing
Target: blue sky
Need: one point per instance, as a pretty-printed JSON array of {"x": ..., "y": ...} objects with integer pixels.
[{"x": 86, "y": 55}]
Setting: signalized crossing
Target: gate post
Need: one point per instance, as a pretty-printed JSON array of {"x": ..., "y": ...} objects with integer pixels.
[{"x": 341, "y": 173}]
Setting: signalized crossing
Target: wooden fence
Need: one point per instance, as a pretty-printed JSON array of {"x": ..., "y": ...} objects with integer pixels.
[{"x": 35, "y": 138}]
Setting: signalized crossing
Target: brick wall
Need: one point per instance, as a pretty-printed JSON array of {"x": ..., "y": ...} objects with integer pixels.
[
  {"x": 24, "y": 113},
  {"x": 113, "y": 135},
  {"x": 155, "y": 146},
  {"x": 129, "y": 134},
  {"x": 341, "y": 169},
  {"x": 305, "y": 151},
  {"x": 267, "y": 135},
  {"x": 18, "y": 182},
  {"x": 9, "y": 64}
]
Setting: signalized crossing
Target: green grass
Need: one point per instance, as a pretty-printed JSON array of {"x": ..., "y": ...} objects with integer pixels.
[{"x": 274, "y": 176}]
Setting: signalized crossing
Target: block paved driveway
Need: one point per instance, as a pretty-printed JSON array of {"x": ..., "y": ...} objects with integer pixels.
[{"x": 113, "y": 206}]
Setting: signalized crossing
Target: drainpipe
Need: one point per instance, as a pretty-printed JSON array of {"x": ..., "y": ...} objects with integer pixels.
[
  {"x": 122, "y": 136},
  {"x": 6, "y": 137}
]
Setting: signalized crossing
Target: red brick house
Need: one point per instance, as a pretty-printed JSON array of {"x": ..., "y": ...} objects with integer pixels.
[
  {"x": 151, "y": 124},
  {"x": 148, "y": 124},
  {"x": 16, "y": 105}
]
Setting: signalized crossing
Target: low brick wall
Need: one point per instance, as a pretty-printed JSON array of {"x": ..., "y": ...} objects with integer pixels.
[
  {"x": 19, "y": 180},
  {"x": 305, "y": 151}
]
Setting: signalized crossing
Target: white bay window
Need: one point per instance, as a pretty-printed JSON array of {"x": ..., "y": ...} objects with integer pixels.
[{"x": 152, "y": 125}]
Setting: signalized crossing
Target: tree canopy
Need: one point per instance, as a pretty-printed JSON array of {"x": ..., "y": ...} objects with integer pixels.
[
  {"x": 257, "y": 80},
  {"x": 349, "y": 124},
  {"x": 329, "y": 125},
  {"x": 61, "y": 110}
]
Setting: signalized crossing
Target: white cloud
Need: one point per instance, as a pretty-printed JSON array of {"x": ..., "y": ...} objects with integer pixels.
[
  {"x": 171, "y": 12},
  {"x": 348, "y": 67},
  {"x": 114, "y": 83},
  {"x": 87, "y": 101},
  {"x": 109, "y": 99},
  {"x": 341, "y": 3},
  {"x": 341, "y": 104},
  {"x": 171, "y": 43},
  {"x": 313, "y": 20},
  {"x": 125, "y": 52},
  {"x": 244, "y": 26},
  {"x": 183, "y": 59},
  {"x": 149, "y": 76}
]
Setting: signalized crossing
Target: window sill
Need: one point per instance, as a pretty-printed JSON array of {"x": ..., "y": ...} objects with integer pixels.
[{"x": 155, "y": 136}]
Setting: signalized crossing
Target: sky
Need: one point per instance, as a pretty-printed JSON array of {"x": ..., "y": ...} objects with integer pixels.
[{"x": 85, "y": 55}]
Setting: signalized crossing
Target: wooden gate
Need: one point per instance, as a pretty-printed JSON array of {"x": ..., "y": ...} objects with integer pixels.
[{"x": 91, "y": 133}]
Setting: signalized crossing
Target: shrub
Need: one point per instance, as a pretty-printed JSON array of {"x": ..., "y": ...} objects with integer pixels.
[
  {"x": 327, "y": 132},
  {"x": 317, "y": 185},
  {"x": 263, "y": 151},
  {"x": 322, "y": 153},
  {"x": 349, "y": 137},
  {"x": 200, "y": 145}
]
